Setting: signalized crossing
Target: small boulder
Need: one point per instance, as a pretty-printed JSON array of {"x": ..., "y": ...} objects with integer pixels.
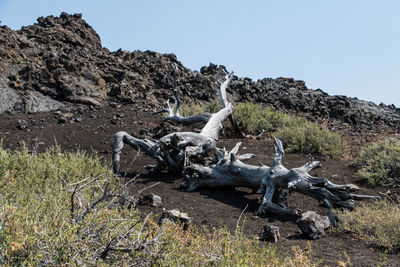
[
  {"x": 22, "y": 124},
  {"x": 270, "y": 233},
  {"x": 313, "y": 225},
  {"x": 150, "y": 200},
  {"x": 176, "y": 216}
]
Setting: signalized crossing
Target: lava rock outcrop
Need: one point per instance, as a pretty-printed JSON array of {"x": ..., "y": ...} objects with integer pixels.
[{"x": 60, "y": 61}]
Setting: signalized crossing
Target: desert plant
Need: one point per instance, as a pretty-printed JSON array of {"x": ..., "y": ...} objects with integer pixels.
[
  {"x": 298, "y": 134},
  {"x": 310, "y": 138},
  {"x": 379, "y": 163},
  {"x": 377, "y": 223},
  {"x": 205, "y": 247},
  {"x": 191, "y": 109},
  {"x": 61, "y": 208}
]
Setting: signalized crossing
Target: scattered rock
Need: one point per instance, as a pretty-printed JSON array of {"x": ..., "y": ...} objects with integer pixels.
[
  {"x": 270, "y": 233},
  {"x": 150, "y": 200},
  {"x": 62, "y": 120},
  {"x": 176, "y": 216},
  {"x": 313, "y": 225},
  {"x": 22, "y": 124}
]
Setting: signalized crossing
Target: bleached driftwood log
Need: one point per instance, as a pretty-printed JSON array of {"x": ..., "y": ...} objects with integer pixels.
[
  {"x": 274, "y": 182},
  {"x": 173, "y": 110},
  {"x": 174, "y": 151},
  {"x": 298, "y": 179},
  {"x": 229, "y": 170}
]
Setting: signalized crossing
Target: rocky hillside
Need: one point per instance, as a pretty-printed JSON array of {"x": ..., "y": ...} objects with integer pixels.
[{"x": 60, "y": 61}]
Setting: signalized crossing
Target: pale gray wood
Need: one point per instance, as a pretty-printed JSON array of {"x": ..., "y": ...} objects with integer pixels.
[
  {"x": 176, "y": 150},
  {"x": 229, "y": 170},
  {"x": 298, "y": 179}
]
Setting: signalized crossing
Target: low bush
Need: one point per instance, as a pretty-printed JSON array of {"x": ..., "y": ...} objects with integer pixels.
[
  {"x": 190, "y": 109},
  {"x": 378, "y": 223},
  {"x": 297, "y": 134},
  {"x": 221, "y": 248},
  {"x": 53, "y": 212},
  {"x": 311, "y": 138},
  {"x": 379, "y": 163}
]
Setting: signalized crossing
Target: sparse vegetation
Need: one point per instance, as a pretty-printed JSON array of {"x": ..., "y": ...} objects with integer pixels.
[
  {"x": 379, "y": 163},
  {"x": 378, "y": 223},
  {"x": 221, "y": 248},
  {"x": 39, "y": 225},
  {"x": 188, "y": 110},
  {"x": 298, "y": 134},
  {"x": 310, "y": 138}
]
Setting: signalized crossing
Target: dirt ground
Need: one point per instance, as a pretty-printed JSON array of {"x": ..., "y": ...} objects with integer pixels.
[{"x": 93, "y": 129}]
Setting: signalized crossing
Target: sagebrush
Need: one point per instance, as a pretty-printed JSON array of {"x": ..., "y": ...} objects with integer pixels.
[
  {"x": 378, "y": 223},
  {"x": 379, "y": 163},
  {"x": 297, "y": 133},
  {"x": 42, "y": 195}
]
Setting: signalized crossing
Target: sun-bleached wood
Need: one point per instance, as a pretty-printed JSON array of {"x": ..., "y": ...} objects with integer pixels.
[
  {"x": 298, "y": 179},
  {"x": 177, "y": 150}
]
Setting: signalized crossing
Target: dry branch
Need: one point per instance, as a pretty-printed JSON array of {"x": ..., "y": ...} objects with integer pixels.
[
  {"x": 177, "y": 150},
  {"x": 299, "y": 180},
  {"x": 173, "y": 111}
]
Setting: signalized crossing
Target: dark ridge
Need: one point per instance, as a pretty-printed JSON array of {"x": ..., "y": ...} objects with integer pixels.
[{"x": 60, "y": 60}]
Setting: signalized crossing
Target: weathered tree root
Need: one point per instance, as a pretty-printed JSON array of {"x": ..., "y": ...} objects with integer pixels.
[
  {"x": 274, "y": 182},
  {"x": 299, "y": 180},
  {"x": 174, "y": 151},
  {"x": 178, "y": 150},
  {"x": 228, "y": 170}
]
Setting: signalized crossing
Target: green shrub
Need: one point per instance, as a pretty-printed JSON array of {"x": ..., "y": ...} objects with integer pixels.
[
  {"x": 379, "y": 163},
  {"x": 213, "y": 106},
  {"x": 190, "y": 109},
  {"x": 311, "y": 138},
  {"x": 38, "y": 226},
  {"x": 194, "y": 108},
  {"x": 37, "y": 223},
  {"x": 221, "y": 248},
  {"x": 297, "y": 134},
  {"x": 252, "y": 118},
  {"x": 378, "y": 223}
]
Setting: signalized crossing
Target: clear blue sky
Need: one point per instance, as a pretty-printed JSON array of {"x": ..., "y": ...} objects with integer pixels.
[{"x": 345, "y": 47}]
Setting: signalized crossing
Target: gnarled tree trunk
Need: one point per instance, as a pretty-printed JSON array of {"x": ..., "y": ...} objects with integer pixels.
[
  {"x": 229, "y": 170},
  {"x": 176, "y": 150},
  {"x": 298, "y": 179}
]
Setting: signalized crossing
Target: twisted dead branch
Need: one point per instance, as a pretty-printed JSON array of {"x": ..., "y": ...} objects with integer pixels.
[{"x": 177, "y": 150}]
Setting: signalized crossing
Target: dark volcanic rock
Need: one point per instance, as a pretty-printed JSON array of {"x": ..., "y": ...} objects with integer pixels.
[
  {"x": 151, "y": 200},
  {"x": 60, "y": 60},
  {"x": 313, "y": 225},
  {"x": 270, "y": 233},
  {"x": 176, "y": 216}
]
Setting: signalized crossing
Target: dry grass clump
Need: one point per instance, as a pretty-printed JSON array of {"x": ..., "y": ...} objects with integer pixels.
[{"x": 378, "y": 223}]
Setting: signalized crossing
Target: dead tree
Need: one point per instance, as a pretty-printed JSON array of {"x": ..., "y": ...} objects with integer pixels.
[
  {"x": 279, "y": 178},
  {"x": 173, "y": 111},
  {"x": 274, "y": 182},
  {"x": 174, "y": 151},
  {"x": 229, "y": 170}
]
